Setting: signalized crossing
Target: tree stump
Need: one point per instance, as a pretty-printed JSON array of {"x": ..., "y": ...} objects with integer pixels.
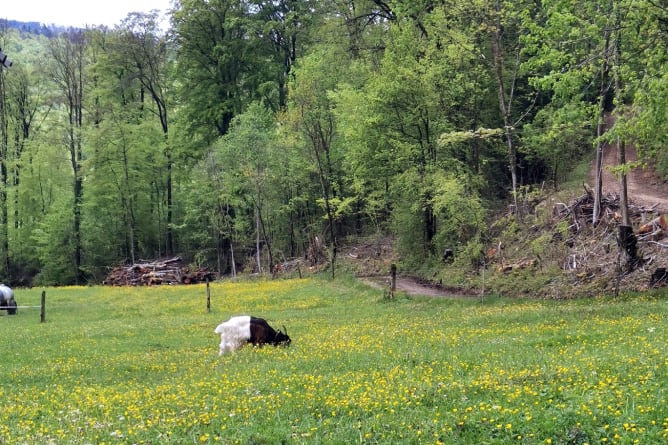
[
  {"x": 628, "y": 244},
  {"x": 659, "y": 278}
]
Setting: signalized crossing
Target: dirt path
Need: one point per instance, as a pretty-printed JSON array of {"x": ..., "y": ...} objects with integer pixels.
[
  {"x": 643, "y": 186},
  {"x": 414, "y": 286}
]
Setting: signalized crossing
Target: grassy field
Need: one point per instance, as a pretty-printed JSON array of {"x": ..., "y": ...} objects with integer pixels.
[{"x": 141, "y": 366}]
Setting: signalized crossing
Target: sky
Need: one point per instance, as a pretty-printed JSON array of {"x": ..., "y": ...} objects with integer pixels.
[{"x": 77, "y": 13}]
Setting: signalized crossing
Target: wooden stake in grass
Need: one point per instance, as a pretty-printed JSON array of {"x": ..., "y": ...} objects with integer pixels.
[
  {"x": 42, "y": 310},
  {"x": 208, "y": 296},
  {"x": 393, "y": 279}
]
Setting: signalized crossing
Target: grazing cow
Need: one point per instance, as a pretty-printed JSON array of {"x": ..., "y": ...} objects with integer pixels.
[
  {"x": 7, "y": 301},
  {"x": 237, "y": 331}
]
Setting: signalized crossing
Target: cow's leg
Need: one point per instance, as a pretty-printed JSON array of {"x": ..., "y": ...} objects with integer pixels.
[{"x": 11, "y": 307}]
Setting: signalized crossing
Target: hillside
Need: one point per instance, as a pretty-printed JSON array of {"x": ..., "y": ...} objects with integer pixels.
[
  {"x": 37, "y": 28},
  {"x": 554, "y": 252},
  {"x": 565, "y": 255}
]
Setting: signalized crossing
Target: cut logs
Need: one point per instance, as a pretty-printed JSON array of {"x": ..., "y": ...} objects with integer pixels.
[
  {"x": 656, "y": 225},
  {"x": 167, "y": 271}
]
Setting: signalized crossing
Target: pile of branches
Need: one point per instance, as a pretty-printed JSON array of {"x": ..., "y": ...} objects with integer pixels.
[
  {"x": 581, "y": 210},
  {"x": 596, "y": 253},
  {"x": 168, "y": 271}
]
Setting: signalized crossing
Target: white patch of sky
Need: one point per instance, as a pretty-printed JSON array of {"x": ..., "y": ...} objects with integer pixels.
[{"x": 78, "y": 13}]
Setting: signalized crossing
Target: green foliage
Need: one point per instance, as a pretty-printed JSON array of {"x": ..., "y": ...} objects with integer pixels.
[
  {"x": 456, "y": 207},
  {"x": 650, "y": 120},
  {"x": 247, "y": 154},
  {"x": 510, "y": 229},
  {"x": 282, "y": 121},
  {"x": 407, "y": 221},
  {"x": 341, "y": 208},
  {"x": 460, "y": 212},
  {"x": 236, "y": 53},
  {"x": 55, "y": 249},
  {"x": 542, "y": 245},
  {"x": 468, "y": 257},
  {"x": 559, "y": 137},
  {"x": 458, "y": 137}
]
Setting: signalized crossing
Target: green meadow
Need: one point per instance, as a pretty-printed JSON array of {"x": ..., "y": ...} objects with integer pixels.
[{"x": 116, "y": 365}]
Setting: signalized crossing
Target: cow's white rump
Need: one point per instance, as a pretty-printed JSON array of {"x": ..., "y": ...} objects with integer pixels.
[{"x": 234, "y": 333}]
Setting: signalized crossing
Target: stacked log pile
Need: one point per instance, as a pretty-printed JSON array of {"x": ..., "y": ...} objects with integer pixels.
[{"x": 168, "y": 271}]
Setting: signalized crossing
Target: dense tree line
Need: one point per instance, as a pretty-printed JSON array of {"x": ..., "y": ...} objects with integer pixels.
[{"x": 251, "y": 131}]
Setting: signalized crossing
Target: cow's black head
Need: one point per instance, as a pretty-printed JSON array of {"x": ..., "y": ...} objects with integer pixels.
[
  {"x": 282, "y": 338},
  {"x": 9, "y": 305}
]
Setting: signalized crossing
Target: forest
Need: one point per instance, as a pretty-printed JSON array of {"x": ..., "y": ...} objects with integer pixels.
[{"x": 251, "y": 132}]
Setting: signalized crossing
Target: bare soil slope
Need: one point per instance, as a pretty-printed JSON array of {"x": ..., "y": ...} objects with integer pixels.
[
  {"x": 588, "y": 266},
  {"x": 644, "y": 187}
]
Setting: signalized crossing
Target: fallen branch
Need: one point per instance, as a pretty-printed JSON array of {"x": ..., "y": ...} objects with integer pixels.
[{"x": 662, "y": 245}]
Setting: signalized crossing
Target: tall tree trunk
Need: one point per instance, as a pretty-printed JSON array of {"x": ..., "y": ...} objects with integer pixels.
[
  {"x": 170, "y": 198},
  {"x": 601, "y": 128},
  {"x": 131, "y": 224},
  {"x": 146, "y": 49},
  {"x": 623, "y": 189},
  {"x": 324, "y": 183},
  {"x": 598, "y": 163},
  {"x": 258, "y": 257},
  {"x": 265, "y": 236},
  {"x": 320, "y": 141},
  {"x": 505, "y": 98},
  {"x": 232, "y": 260},
  {"x": 25, "y": 112},
  {"x": 626, "y": 238},
  {"x": 68, "y": 74},
  {"x": 4, "y": 149},
  {"x": 78, "y": 189},
  {"x": 619, "y": 107}
]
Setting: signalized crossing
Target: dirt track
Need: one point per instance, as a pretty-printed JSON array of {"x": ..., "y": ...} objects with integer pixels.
[
  {"x": 643, "y": 186},
  {"x": 413, "y": 286}
]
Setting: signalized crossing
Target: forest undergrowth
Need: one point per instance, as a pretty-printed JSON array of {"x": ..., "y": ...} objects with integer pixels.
[
  {"x": 552, "y": 251},
  {"x": 555, "y": 251}
]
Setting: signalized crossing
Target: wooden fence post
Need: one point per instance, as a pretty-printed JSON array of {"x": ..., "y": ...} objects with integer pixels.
[
  {"x": 208, "y": 297},
  {"x": 42, "y": 310},
  {"x": 393, "y": 279}
]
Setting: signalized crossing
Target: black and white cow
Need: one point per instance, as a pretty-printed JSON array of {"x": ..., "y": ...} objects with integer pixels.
[
  {"x": 237, "y": 331},
  {"x": 7, "y": 301}
]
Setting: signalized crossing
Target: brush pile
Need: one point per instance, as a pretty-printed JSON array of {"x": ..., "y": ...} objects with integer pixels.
[
  {"x": 594, "y": 252},
  {"x": 581, "y": 211}
]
